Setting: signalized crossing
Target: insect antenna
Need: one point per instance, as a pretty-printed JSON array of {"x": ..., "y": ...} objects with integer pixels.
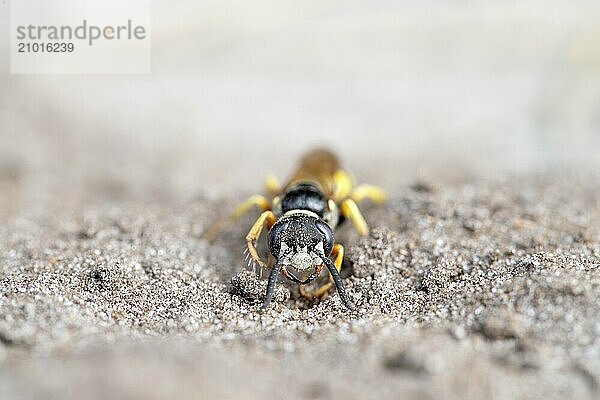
[
  {"x": 337, "y": 280},
  {"x": 271, "y": 284}
]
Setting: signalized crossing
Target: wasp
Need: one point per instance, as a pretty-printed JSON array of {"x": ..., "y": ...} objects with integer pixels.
[{"x": 301, "y": 217}]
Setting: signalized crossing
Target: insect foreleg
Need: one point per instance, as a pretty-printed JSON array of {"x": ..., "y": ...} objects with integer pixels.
[{"x": 267, "y": 219}]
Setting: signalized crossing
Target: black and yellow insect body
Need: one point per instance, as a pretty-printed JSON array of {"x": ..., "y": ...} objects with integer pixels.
[{"x": 301, "y": 218}]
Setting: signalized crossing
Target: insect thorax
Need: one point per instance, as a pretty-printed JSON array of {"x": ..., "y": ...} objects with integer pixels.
[{"x": 304, "y": 196}]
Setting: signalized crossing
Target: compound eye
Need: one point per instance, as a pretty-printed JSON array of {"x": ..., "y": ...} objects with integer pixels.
[
  {"x": 275, "y": 236},
  {"x": 327, "y": 234}
]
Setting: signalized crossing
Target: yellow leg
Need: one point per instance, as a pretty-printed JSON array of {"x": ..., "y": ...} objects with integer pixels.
[
  {"x": 342, "y": 182},
  {"x": 373, "y": 193},
  {"x": 267, "y": 219},
  {"x": 338, "y": 253},
  {"x": 257, "y": 200},
  {"x": 272, "y": 185},
  {"x": 350, "y": 210}
]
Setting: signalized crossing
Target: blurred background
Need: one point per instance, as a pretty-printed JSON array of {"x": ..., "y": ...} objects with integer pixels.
[{"x": 403, "y": 90}]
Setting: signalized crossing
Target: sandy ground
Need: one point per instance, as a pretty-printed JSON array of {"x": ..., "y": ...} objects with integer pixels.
[
  {"x": 471, "y": 290},
  {"x": 481, "y": 281}
]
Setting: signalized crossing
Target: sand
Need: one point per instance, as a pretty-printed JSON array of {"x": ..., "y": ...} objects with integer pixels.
[{"x": 471, "y": 290}]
